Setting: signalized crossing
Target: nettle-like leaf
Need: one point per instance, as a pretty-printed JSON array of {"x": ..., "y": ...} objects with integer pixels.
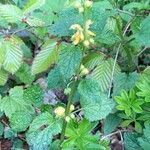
[
  {"x": 41, "y": 131},
  {"x": 95, "y": 104},
  {"x": 13, "y": 54},
  {"x": 24, "y": 74},
  {"x": 102, "y": 69},
  {"x": 83, "y": 141},
  {"x": 2, "y": 52},
  {"x": 14, "y": 102},
  {"x": 69, "y": 60},
  {"x": 3, "y": 77},
  {"x": 45, "y": 58},
  {"x": 124, "y": 81},
  {"x": 145, "y": 139},
  {"x": 32, "y": 5},
  {"x": 11, "y": 13},
  {"x": 33, "y": 95},
  {"x": 144, "y": 34},
  {"x": 19, "y": 121}
]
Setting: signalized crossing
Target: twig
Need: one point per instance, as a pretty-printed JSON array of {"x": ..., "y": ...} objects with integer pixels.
[
  {"x": 126, "y": 12},
  {"x": 116, "y": 57},
  {"x": 145, "y": 48},
  {"x": 111, "y": 134},
  {"x": 121, "y": 139}
]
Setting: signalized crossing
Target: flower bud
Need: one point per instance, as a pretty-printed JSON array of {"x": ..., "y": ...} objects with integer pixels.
[
  {"x": 86, "y": 43},
  {"x": 60, "y": 111},
  {"x": 84, "y": 72},
  {"x": 82, "y": 67},
  {"x": 91, "y": 40},
  {"x": 88, "y": 3},
  {"x": 81, "y": 10},
  {"x": 72, "y": 116},
  {"x": 72, "y": 108},
  {"x": 77, "y": 4},
  {"x": 67, "y": 118}
]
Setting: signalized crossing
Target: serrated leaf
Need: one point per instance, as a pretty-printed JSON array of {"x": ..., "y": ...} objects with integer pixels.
[
  {"x": 32, "y": 5},
  {"x": 14, "y": 102},
  {"x": 111, "y": 122},
  {"x": 55, "y": 75},
  {"x": 2, "y": 52},
  {"x": 144, "y": 34},
  {"x": 11, "y": 13},
  {"x": 13, "y": 56},
  {"x": 95, "y": 104},
  {"x": 24, "y": 74},
  {"x": 41, "y": 131},
  {"x": 69, "y": 61},
  {"x": 45, "y": 58},
  {"x": 102, "y": 70},
  {"x": 124, "y": 81},
  {"x": 3, "y": 77},
  {"x": 1, "y": 129},
  {"x": 19, "y": 121},
  {"x": 33, "y": 95}
]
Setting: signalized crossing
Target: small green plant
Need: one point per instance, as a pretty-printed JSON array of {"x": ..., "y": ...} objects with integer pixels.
[{"x": 72, "y": 72}]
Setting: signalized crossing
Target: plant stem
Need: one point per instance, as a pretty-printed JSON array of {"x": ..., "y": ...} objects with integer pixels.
[{"x": 73, "y": 90}]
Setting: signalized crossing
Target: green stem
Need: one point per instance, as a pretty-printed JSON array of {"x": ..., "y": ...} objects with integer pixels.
[{"x": 64, "y": 126}]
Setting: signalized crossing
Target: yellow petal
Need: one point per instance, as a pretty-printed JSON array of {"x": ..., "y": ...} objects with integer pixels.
[{"x": 90, "y": 33}]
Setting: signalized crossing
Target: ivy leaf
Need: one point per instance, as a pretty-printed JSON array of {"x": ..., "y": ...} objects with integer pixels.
[
  {"x": 11, "y": 13},
  {"x": 144, "y": 34},
  {"x": 24, "y": 74},
  {"x": 45, "y": 58},
  {"x": 32, "y": 5},
  {"x": 95, "y": 104},
  {"x": 19, "y": 121},
  {"x": 41, "y": 130},
  {"x": 13, "y": 56},
  {"x": 14, "y": 102},
  {"x": 3, "y": 77},
  {"x": 69, "y": 61}
]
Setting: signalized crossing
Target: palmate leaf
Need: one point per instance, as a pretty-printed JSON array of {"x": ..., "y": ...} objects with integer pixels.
[
  {"x": 39, "y": 138},
  {"x": 32, "y": 5},
  {"x": 95, "y": 104},
  {"x": 13, "y": 55},
  {"x": 45, "y": 58},
  {"x": 102, "y": 69},
  {"x": 3, "y": 77},
  {"x": 11, "y": 13},
  {"x": 15, "y": 102}
]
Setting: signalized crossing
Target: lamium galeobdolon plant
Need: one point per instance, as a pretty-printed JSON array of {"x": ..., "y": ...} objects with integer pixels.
[{"x": 74, "y": 73}]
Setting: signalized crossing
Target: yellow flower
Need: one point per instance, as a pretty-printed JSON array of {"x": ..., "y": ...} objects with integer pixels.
[
  {"x": 88, "y": 3},
  {"x": 87, "y": 26},
  {"x": 86, "y": 43},
  {"x": 78, "y": 36},
  {"x": 60, "y": 111}
]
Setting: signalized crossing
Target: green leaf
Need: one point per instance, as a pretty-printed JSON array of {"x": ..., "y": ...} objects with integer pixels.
[
  {"x": 69, "y": 61},
  {"x": 102, "y": 70},
  {"x": 24, "y": 74},
  {"x": 80, "y": 137},
  {"x": 95, "y": 104},
  {"x": 41, "y": 130},
  {"x": 19, "y": 121},
  {"x": 131, "y": 143},
  {"x": 55, "y": 75},
  {"x": 1, "y": 129},
  {"x": 33, "y": 95},
  {"x": 2, "y": 52},
  {"x": 145, "y": 140},
  {"x": 11, "y": 13},
  {"x": 45, "y": 58},
  {"x": 32, "y": 5},
  {"x": 3, "y": 77},
  {"x": 124, "y": 81},
  {"x": 14, "y": 102},
  {"x": 111, "y": 122},
  {"x": 13, "y": 56},
  {"x": 144, "y": 34}
]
